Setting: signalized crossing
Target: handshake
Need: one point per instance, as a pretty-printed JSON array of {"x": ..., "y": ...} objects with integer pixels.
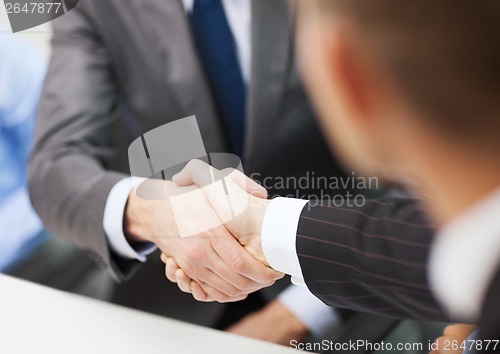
[{"x": 208, "y": 230}]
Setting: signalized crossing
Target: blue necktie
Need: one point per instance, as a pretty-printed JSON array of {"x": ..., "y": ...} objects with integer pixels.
[{"x": 217, "y": 50}]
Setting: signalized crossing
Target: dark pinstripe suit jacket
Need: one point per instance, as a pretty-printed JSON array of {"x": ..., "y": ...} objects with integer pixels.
[
  {"x": 381, "y": 265},
  {"x": 377, "y": 267}
]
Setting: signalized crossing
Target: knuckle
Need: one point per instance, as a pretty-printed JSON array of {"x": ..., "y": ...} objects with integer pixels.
[
  {"x": 191, "y": 164},
  {"x": 244, "y": 284},
  {"x": 194, "y": 165},
  {"x": 169, "y": 277},
  {"x": 270, "y": 278},
  {"x": 181, "y": 276},
  {"x": 188, "y": 268},
  {"x": 223, "y": 299},
  {"x": 233, "y": 292},
  {"x": 195, "y": 253},
  {"x": 200, "y": 297},
  {"x": 217, "y": 295},
  {"x": 237, "y": 264}
]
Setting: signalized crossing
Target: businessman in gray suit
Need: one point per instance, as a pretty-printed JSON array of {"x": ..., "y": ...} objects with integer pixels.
[{"x": 123, "y": 67}]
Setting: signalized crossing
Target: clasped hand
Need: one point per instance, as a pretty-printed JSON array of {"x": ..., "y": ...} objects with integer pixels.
[{"x": 223, "y": 260}]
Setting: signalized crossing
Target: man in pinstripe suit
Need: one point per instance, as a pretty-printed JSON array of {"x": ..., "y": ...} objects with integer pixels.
[{"x": 419, "y": 106}]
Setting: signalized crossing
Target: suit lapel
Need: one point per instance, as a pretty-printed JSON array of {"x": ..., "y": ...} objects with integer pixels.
[
  {"x": 271, "y": 59},
  {"x": 170, "y": 37}
]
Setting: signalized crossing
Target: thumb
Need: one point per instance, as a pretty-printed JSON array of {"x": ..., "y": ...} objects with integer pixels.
[{"x": 202, "y": 174}]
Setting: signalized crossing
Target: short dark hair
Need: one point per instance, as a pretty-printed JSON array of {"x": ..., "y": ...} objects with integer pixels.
[{"x": 443, "y": 54}]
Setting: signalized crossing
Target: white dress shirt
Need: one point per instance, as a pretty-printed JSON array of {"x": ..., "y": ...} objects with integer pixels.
[
  {"x": 312, "y": 312},
  {"x": 279, "y": 231},
  {"x": 464, "y": 258}
]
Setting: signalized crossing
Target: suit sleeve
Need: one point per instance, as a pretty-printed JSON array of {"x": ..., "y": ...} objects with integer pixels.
[
  {"x": 69, "y": 175},
  {"x": 370, "y": 258}
]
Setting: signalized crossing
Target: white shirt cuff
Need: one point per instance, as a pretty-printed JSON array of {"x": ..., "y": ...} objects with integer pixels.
[
  {"x": 279, "y": 233},
  {"x": 113, "y": 223},
  {"x": 311, "y": 311}
]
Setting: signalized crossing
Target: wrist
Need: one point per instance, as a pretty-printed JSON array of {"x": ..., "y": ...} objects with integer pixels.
[
  {"x": 134, "y": 228},
  {"x": 255, "y": 217}
]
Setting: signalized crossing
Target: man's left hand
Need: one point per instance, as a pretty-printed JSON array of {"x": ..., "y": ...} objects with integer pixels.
[{"x": 274, "y": 323}]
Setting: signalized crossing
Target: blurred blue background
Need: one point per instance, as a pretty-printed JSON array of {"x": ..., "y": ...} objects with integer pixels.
[{"x": 22, "y": 69}]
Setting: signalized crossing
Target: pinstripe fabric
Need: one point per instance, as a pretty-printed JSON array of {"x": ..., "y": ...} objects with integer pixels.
[{"x": 370, "y": 259}]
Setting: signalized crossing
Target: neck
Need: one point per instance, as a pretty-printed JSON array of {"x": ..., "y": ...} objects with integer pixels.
[{"x": 455, "y": 178}]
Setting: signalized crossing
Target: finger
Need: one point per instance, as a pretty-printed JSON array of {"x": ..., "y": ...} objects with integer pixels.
[
  {"x": 203, "y": 264},
  {"x": 459, "y": 330},
  {"x": 199, "y": 262},
  {"x": 171, "y": 263},
  {"x": 183, "y": 278},
  {"x": 242, "y": 262},
  {"x": 170, "y": 274},
  {"x": 163, "y": 258},
  {"x": 195, "y": 172},
  {"x": 195, "y": 289},
  {"x": 182, "y": 282},
  {"x": 224, "y": 260},
  {"x": 199, "y": 294},
  {"x": 219, "y": 296},
  {"x": 222, "y": 285},
  {"x": 245, "y": 182},
  {"x": 225, "y": 196},
  {"x": 170, "y": 269},
  {"x": 202, "y": 174}
]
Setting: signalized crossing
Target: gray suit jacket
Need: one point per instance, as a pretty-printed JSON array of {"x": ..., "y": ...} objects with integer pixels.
[{"x": 120, "y": 68}]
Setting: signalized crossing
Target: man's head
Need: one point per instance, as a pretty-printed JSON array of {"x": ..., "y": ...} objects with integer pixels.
[{"x": 393, "y": 79}]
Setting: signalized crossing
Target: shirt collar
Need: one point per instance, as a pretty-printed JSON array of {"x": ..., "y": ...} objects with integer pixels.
[
  {"x": 465, "y": 257},
  {"x": 188, "y": 5}
]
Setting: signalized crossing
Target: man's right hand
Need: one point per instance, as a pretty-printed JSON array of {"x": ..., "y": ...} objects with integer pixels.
[
  {"x": 212, "y": 258},
  {"x": 246, "y": 227}
]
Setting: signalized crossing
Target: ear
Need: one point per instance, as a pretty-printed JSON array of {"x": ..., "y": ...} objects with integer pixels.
[
  {"x": 353, "y": 76},
  {"x": 361, "y": 126}
]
